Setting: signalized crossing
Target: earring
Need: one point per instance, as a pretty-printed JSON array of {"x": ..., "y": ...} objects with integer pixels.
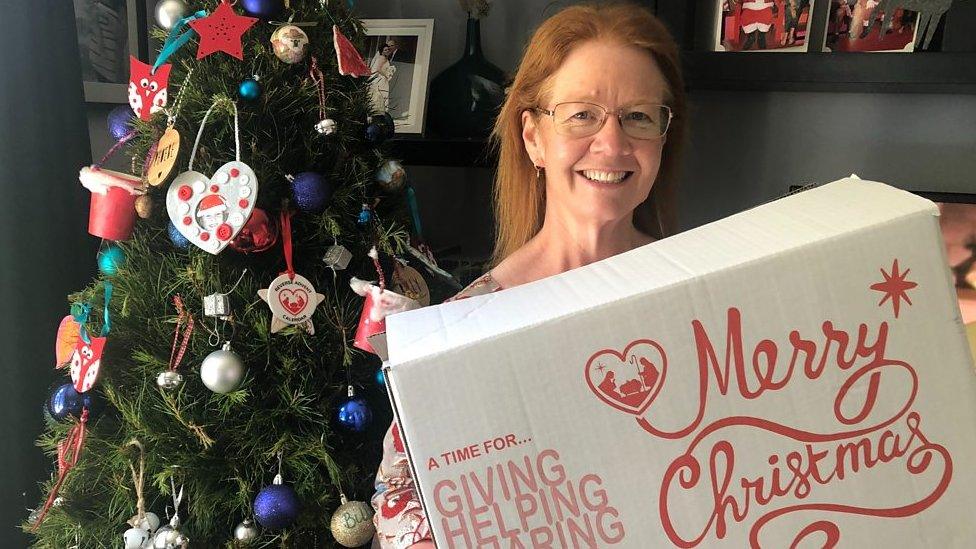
[{"x": 538, "y": 173}]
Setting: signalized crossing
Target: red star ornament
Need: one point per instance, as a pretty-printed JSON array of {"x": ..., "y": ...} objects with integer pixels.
[
  {"x": 222, "y": 31},
  {"x": 894, "y": 287}
]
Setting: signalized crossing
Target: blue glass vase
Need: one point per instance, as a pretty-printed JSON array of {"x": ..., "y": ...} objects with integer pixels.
[{"x": 465, "y": 97}]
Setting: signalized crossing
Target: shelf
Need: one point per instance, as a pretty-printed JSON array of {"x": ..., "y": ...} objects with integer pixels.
[
  {"x": 918, "y": 72},
  {"x": 441, "y": 151}
]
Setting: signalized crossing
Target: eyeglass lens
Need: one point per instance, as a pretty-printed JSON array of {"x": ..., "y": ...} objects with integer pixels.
[{"x": 585, "y": 119}]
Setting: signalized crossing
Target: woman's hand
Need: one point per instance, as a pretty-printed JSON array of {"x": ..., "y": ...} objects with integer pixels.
[{"x": 426, "y": 544}]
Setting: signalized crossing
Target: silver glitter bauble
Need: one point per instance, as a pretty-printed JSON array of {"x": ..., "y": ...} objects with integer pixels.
[
  {"x": 352, "y": 523},
  {"x": 136, "y": 538},
  {"x": 169, "y": 380},
  {"x": 326, "y": 127},
  {"x": 391, "y": 176},
  {"x": 246, "y": 532},
  {"x": 168, "y": 12},
  {"x": 222, "y": 370}
]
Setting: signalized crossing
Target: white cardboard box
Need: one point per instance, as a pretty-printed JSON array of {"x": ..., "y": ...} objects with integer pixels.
[{"x": 753, "y": 381}]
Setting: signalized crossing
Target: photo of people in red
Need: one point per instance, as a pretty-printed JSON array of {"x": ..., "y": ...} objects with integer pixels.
[
  {"x": 763, "y": 25},
  {"x": 858, "y": 25}
]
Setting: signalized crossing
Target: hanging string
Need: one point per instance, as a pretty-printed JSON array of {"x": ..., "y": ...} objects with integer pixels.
[
  {"x": 179, "y": 35},
  {"x": 69, "y": 451},
  {"x": 84, "y": 310},
  {"x": 286, "y": 240},
  {"x": 184, "y": 317},
  {"x": 115, "y": 147},
  {"x": 171, "y": 114},
  {"x": 138, "y": 480},
  {"x": 203, "y": 123},
  {"x": 319, "y": 80},
  {"x": 379, "y": 270}
]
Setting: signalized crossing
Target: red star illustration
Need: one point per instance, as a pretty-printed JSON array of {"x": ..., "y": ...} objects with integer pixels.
[
  {"x": 222, "y": 31},
  {"x": 894, "y": 287}
]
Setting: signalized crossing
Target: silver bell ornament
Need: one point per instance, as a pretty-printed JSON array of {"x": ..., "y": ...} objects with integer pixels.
[
  {"x": 352, "y": 523},
  {"x": 149, "y": 522},
  {"x": 222, "y": 370},
  {"x": 170, "y": 537},
  {"x": 168, "y": 380},
  {"x": 136, "y": 538},
  {"x": 326, "y": 127},
  {"x": 246, "y": 532},
  {"x": 168, "y": 12}
]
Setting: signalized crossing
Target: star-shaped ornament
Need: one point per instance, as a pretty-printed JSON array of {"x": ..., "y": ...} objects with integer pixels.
[
  {"x": 222, "y": 31},
  {"x": 894, "y": 287},
  {"x": 292, "y": 300}
]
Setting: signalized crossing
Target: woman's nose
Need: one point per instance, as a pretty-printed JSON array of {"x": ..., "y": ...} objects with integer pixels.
[{"x": 611, "y": 138}]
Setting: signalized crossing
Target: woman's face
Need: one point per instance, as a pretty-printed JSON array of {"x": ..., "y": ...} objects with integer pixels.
[{"x": 576, "y": 168}]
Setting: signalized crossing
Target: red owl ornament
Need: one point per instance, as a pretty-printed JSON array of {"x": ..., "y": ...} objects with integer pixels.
[
  {"x": 86, "y": 360},
  {"x": 147, "y": 89}
]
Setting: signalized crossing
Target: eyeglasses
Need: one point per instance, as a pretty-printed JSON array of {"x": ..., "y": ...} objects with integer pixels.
[{"x": 579, "y": 119}]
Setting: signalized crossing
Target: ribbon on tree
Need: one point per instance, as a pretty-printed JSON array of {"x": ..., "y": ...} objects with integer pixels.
[
  {"x": 286, "y": 241},
  {"x": 69, "y": 451},
  {"x": 184, "y": 322}
]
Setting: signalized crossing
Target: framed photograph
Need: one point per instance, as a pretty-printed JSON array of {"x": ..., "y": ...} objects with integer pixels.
[
  {"x": 108, "y": 30},
  {"x": 762, "y": 25},
  {"x": 859, "y": 25},
  {"x": 398, "y": 54}
]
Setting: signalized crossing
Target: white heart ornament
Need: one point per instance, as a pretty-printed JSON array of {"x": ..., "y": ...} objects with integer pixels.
[{"x": 210, "y": 211}]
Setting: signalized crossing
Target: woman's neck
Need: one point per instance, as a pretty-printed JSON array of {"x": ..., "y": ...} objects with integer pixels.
[{"x": 560, "y": 246}]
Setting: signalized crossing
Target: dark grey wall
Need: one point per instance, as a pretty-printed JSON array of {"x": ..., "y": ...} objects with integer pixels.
[{"x": 745, "y": 147}]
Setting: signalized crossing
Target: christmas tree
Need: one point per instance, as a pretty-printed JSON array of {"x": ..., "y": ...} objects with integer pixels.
[{"x": 217, "y": 350}]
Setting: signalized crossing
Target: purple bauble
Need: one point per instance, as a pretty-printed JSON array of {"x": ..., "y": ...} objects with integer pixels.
[
  {"x": 355, "y": 415},
  {"x": 120, "y": 121},
  {"x": 276, "y": 507},
  {"x": 311, "y": 191},
  {"x": 265, "y": 9}
]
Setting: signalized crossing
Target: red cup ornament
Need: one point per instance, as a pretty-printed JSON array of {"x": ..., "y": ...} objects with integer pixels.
[
  {"x": 112, "y": 213},
  {"x": 260, "y": 232},
  {"x": 379, "y": 304}
]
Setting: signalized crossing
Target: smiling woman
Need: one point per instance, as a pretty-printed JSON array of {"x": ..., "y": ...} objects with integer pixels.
[{"x": 589, "y": 141}]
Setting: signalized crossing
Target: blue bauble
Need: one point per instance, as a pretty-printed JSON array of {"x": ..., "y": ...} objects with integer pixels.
[
  {"x": 120, "y": 121},
  {"x": 311, "y": 191},
  {"x": 265, "y": 9},
  {"x": 380, "y": 378},
  {"x": 355, "y": 415},
  {"x": 65, "y": 403},
  {"x": 177, "y": 237},
  {"x": 375, "y": 134},
  {"x": 110, "y": 259},
  {"x": 276, "y": 507},
  {"x": 249, "y": 90},
  {"x": 365, "y": 216}
]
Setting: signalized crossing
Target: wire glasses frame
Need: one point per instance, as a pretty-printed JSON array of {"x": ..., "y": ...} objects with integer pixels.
[{"x": 581, "y": 119}]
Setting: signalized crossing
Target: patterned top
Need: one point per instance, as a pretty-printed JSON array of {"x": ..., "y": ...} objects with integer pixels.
[{"x": 399, "y": 519}]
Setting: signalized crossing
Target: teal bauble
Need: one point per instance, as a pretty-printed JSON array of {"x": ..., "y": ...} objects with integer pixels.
[
  {"x": 110, "y": 259},
  {"x": 249, "y": 90}
]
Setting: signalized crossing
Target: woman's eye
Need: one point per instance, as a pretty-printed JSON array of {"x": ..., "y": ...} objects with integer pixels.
[
  {"x": 639, "y": 116},
  {"x": 582, "y": 115}
]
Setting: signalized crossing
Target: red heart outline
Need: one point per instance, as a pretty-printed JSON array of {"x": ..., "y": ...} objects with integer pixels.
[
  {"x": 621, "y": 357},
  {"x": 292, "y": 306}
]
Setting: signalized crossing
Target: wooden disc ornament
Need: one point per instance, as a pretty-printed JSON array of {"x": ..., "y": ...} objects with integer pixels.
[
  {"x": 210, "y": 211},
  {"x": 291, "y": 297},
  {"x": 164, "y": 158},
  {"x": 409, "y": 282}
]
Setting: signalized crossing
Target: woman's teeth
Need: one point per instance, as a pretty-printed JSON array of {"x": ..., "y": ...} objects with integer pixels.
[{"x": 604, "y": 176}]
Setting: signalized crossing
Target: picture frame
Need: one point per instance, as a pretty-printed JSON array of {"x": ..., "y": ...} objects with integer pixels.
[
  {"x": 777, "y": 26},
  {"x": 108, "y": 31},
  {"x": 876, "y": 31},
  {"x": 398, "y": 53}
]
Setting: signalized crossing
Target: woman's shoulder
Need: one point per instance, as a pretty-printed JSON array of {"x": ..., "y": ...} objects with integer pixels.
[{"x": 484, "y": 284}]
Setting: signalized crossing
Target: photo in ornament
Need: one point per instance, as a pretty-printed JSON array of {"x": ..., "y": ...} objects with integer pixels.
[{"x": 210, "y": 212}]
